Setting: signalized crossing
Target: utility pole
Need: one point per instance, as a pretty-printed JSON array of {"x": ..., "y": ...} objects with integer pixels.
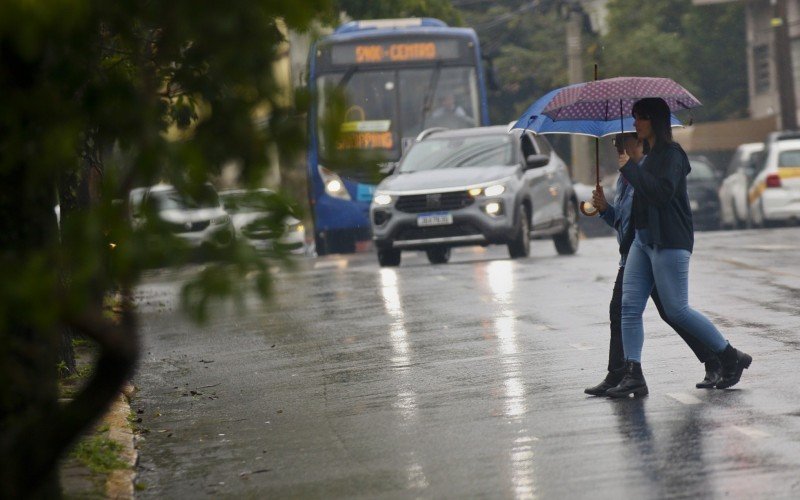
[
  {"x": 582, "y": 168},
  {"x": 782, "y": 61}
]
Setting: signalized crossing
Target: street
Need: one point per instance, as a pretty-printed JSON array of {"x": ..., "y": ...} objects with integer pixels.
[{"x": 466, "y": 380}]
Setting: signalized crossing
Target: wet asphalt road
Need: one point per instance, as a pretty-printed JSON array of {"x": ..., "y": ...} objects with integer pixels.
[{"x": 466, "y": 380}]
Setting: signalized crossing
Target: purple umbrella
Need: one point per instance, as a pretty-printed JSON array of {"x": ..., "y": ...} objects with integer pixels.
[{"x": 614, "y": 98}]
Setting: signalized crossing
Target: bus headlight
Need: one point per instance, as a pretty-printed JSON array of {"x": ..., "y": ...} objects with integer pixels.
[
  {"x": 334, "y": 185},
  {"x": 382, "y": 199}
]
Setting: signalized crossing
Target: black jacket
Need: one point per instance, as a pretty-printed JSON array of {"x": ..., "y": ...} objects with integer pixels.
[{"x": 660, "y": 186}]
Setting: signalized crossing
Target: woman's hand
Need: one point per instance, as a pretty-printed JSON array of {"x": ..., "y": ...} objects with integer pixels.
[
  {"x": 623, "y": 159},
  {"x": 599, "y": 199}
]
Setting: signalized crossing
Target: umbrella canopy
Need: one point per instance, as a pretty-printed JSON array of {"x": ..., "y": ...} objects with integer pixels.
[
  {"x": 613, "y": 98},
  {"x": 534, "y": 120}
]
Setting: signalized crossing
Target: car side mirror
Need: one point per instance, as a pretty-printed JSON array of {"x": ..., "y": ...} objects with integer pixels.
[
  {"x": 536, "y": 161},
  {"x": 387, "y": 168}
]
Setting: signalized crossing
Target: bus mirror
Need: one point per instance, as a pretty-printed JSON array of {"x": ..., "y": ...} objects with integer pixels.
[
  {"x": 405, "y": 143},
  {"x": 490, "y": 75}
]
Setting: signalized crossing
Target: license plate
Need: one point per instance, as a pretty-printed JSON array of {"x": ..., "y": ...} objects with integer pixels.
[{"x": 435, "y": 219}]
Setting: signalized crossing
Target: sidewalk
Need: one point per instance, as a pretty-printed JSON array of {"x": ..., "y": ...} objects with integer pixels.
[{"x": 102, "y": 464}]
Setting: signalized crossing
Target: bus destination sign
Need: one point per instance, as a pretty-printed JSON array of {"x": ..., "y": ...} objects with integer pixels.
[{"x": 388, "y": 52}]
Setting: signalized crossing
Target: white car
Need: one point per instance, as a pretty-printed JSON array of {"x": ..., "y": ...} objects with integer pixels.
[
  {"x": 200, "y": 223},
  {"x": 734, "y": 212},
  {"x": 774, "y": 195},
  {"x": 250, "y": 217}
]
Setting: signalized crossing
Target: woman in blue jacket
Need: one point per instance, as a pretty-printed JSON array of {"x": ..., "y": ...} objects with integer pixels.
[
  {"x": 618, "y": 216},
  {"x": 661, "y": 249}
]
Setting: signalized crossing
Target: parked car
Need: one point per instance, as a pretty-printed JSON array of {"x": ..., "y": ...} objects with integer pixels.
[
  {"x": 250, "y": 215},
  {"x": 702, "y": 184},
  {"x": 734, "y": 210},
  {"x": 774, "y": 195},
  {"x": 474, "y": 186},
  {"x": 200, "y": 222}
]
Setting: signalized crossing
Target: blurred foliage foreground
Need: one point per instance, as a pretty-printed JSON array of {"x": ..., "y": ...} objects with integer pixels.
[{"x": 89, "y": 92}]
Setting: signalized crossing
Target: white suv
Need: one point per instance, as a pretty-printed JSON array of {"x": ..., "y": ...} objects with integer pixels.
[{"x": 774, "y": 195}]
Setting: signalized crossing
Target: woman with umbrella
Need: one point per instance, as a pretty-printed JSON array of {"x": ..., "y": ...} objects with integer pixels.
[
  {"x": 618, "y": 216},
  {"x": 661, "y": 249}
]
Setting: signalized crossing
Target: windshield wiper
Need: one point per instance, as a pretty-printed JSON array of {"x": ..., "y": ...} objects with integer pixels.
[
  {"x": 427, "y": 103},
  {"x": 352, "y": 70}
]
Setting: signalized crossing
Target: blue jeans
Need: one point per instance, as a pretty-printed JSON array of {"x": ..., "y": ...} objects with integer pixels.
[{"x": 668, "y": 270}]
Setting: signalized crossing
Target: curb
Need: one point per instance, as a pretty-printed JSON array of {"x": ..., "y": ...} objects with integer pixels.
[{"x": 119, "y": 483}]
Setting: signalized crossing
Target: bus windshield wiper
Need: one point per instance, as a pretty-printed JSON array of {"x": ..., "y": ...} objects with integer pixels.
[
  {"x": 352, "y": 70},
  {"x": 427, "y": 104}
]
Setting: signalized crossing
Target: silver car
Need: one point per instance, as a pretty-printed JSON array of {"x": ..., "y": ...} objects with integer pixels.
[
  {"x": 251, "y": 219},
  {"x": 475, "y": 186},
  {"x": 201, "y": 223},
  {"x": 734, "y": 210}
]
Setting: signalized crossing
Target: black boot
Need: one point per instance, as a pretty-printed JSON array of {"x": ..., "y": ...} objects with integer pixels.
[
  {"x": 613, "y": 378},
  {"x": 733, "y": 364},
  {"x": 713, "y": 374},
  {"x": 632, "y": 383}
]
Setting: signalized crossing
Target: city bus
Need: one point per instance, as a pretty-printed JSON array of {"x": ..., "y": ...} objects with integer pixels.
[{"x": 393, "y": 78}]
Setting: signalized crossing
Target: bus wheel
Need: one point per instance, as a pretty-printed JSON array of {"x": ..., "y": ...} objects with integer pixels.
[
  {"x": 438, "y": 255},
  {"x": 389, "y": 258}
]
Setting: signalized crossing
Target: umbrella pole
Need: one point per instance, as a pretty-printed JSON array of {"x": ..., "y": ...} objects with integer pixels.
[{"x": 597, "y": 161}]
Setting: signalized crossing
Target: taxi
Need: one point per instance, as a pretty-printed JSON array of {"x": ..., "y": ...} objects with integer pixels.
[{"x": 774, "y": 195}]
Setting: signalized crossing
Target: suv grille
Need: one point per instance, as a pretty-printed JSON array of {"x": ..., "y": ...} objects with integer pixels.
[{"x": 418, "y": 203}]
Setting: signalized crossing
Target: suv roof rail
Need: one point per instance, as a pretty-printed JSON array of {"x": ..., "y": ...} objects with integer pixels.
[{"x": 428, "y": 131}]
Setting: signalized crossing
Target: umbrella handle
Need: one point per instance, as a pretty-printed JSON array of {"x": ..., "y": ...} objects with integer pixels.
[{"x": 588, "y": 209}]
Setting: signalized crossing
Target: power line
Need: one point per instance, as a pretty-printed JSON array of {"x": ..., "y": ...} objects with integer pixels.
[{"x": 503, "y": 18}]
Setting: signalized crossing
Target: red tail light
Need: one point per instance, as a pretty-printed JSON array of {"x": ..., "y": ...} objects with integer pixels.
[{"x": 773, "y": 181}]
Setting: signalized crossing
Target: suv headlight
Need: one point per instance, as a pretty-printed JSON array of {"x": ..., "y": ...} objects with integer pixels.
[
  {"x": 493, "y": 190},
  {"x": 382, "y": 199},
  {"x": 334, "y": 185}
]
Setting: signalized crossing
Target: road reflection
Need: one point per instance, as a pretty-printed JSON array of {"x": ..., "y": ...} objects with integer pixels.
[
  {"x": 406, "y": 399},
  {"x": 674, "y": 467},
  {"x": 499, "y": 275}
]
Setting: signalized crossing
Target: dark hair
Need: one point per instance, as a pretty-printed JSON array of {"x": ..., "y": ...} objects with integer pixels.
[{"x": 656, "y": 110}]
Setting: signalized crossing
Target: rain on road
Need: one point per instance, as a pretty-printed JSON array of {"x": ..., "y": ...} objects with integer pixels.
[{"x": 466, "y": 379}]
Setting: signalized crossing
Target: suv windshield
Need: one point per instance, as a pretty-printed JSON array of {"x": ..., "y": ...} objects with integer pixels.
[
  {"x": 454, "y": 152},
  {"x": 173, "y": 200},
  {"x": 245, "y": 202}
]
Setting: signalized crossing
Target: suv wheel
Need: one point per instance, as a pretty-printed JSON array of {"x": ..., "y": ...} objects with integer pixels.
[
  {"x": 520, "y": 246},
  {"x": 389, "y": 258},
  {"x": 438, "y": 255},
  {"x": 566, "y": 242}
]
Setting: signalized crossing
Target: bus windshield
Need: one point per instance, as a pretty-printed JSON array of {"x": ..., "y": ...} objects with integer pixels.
[{"x": 383, "y": 106}]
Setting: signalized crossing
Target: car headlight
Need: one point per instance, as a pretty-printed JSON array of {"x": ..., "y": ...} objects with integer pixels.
[
  {"x": 493, "y": 190},
  {"x": 222, "y": 219},
  {"x": 382, "y": 199},
  {"x": 334, "y": 185}
]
